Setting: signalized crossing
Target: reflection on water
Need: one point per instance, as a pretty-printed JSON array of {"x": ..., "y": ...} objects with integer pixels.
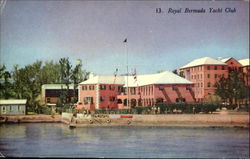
[{"x": 43, "y": 140}]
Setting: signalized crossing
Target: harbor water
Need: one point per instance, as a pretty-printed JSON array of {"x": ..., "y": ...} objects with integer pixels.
[{"x": 57, "y": 140}]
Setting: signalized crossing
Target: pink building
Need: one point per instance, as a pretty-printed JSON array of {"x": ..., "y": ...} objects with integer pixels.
[
  {"x": 242, "y": 66},
  {"x": 245, "y": 70},
  {"x": 204, "y": 73},
  {"x": 110, "y": 92},
  {"x": 232, "y": 64}
]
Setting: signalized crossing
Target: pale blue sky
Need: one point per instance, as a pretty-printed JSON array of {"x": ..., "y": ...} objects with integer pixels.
[{"x": 94, "y": 32}]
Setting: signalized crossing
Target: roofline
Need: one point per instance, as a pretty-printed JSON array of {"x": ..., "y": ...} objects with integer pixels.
[
  {"x": 242, "y": 60},
  {"x": 201, "y": 65},
  {"x": 162, "y": 84},
  {"x": 229, "y": 59},
  {"x": 234, "y": 59},
  {"x": 14, "y": 101},
  {"x": 99, "y": 83}
]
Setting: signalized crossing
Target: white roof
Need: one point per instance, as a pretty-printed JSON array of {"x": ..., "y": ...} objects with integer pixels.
[
  {"x": 158, "y": 78},
  {"x": 225, "y": 59},
  {"x": 56, "y": 86},
  {"x": 141, "y": 80},
  {"x": 105, "y": 80},
  {"x": 13, "y": 101},
  {"x": 203, "y": 61},
  {"x": 244, "y": 62}
]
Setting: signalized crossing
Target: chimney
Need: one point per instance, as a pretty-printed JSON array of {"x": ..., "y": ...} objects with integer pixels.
[{"x": 91, "y": 75}]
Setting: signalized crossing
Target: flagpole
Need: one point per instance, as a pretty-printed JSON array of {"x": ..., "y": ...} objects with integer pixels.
[{"x": 127, "y": 72}]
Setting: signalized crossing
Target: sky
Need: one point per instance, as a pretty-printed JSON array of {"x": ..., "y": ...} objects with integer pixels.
[{"x": 94, "y": 31}]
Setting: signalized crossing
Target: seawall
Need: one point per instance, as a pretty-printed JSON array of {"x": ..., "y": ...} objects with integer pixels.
[
  {"x": 136, "y": 120},
  {"x": 31, "y": 119},
  {"x": 159, "y": 120}
]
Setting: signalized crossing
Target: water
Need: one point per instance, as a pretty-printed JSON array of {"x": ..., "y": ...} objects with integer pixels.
[{"x": 57, "y": 140}]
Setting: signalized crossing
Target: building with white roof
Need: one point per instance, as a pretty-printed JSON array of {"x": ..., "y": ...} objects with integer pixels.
[
  {"x": 204, "y": 73},
  {"x": 242, "y": 66},
  {"x": 13, "y": 106},
  {"x": 224, "y": 59},
  {"x": 244, "y": 62},
  {"x": 245, "y": 70},
  {"x": 51, "y": 93},
  {"x": 232, "y": 64},
  {"x": 110, "y": 92},
  {"x": 203, "y": 61}
]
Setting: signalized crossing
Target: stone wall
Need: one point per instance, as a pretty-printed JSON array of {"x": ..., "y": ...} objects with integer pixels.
[{"x": 191, "y": 118}]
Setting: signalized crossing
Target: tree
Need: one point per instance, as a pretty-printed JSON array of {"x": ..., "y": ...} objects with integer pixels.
[
  {"x": 175, "y": 71},
  {"x": 65, "y": 69},
  {"x": 27, "y": 84},
  {"x": 6, "y": 90},
  {"x": 180, "y": 73},
  {"x": 235, "y": 86},
  {"x": 50, "y": 73},
  {"x": 231, "y": 88},
  {"x": 221, "y": 88},
  {"x": 27, "y": 81},
  {"x": 77, "y": 77}
]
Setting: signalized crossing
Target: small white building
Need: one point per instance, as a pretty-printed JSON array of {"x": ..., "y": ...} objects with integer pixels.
[{"x": 13, "y": 106}]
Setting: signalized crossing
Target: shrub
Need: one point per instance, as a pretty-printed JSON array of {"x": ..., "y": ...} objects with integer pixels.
[
  {"x": 45, "y": 110},
  {"x": 231, "y": 106},
  {"x": 188, "y": 108},
  {"x": 114, "y": 111},
  {"x": 142, "y": 110}
]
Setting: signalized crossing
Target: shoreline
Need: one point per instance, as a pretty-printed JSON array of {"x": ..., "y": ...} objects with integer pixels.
[{"x": 170, "y": 120}]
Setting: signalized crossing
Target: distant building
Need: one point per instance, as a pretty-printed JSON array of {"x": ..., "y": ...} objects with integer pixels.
[
  {"x": 245, "y": 70},
  {"x": 204, "y": 73},
  {"x": 52, "y": 92},
  {"x": 232, "y": 64},
  {"x": 109, "y": 92},
  {"x": 13, "y": 107}
]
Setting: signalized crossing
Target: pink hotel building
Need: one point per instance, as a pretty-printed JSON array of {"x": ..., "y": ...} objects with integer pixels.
[
  {"x": 109, "y": 92},
  {"x": 205, "y": 72}
]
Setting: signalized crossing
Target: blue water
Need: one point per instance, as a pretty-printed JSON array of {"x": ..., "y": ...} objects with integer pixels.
[{"x": 57, "y": 140}]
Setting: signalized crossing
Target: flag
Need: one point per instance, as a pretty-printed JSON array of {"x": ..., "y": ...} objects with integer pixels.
[
  {"x": 115, "y": 74},
  {"x": 116, "y": 71},
  {"x": 125, "y": 40},
  {"x": 134, "y": 74}
]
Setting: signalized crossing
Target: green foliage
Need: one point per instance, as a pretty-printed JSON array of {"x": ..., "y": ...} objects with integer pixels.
[
  {"x": 187, "y": 108},
  {"x": 66, "y": 71},
  {"x": 45, "y": 110},
  {"x": 6, "y": 87},
  {"x": 142, "y": 110},
  {"x": 50, "y": 73},
  {"x": 175, "y": 71},
  {"x": 77, "y": 77},
  {"x": 244, "y": 107},
  {"x": 231, "y": 106},
  {"x": 71, "y": 75},
  {"x": 114, "y": 111},
  {"x": 27, "y": 82},
  {"x": 136, "y": 110},
  {"x": 232, "y": 88}
]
